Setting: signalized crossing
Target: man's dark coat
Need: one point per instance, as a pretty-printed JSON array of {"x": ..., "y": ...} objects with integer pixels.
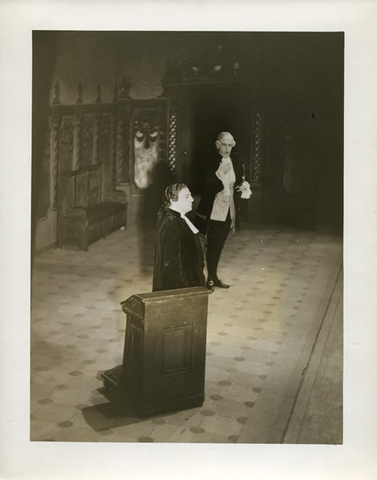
[{"x": 178, "y": 261}]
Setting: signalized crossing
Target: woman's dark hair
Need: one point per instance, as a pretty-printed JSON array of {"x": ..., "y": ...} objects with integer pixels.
[{"x": 171, "y": 194}]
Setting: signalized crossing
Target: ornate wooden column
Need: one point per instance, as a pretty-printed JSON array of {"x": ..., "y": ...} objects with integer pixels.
[
  {"x": 77, "y": 139},
  {"x": 107, "y": 155},
  {"x": 55, "y": 137},
  {"x": 256, "y": 165},
  {"x": 122, "y": 112},
  {"x": 172, "y": 128},
  {"x": 97, "y": 126},
  {"x": 43, "y": 182}
]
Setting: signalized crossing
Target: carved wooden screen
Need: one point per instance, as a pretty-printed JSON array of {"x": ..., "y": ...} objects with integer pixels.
[
  {"x": 127, "y": 138},
  {"x": 81, "y": 136}
]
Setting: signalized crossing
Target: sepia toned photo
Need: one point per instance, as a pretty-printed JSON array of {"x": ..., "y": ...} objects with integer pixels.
[{"x": 187, "y": 237}]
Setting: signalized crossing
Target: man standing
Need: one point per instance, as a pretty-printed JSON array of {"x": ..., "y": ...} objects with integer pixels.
[
  {"x": 217, "y": 211},
  {"x": 178, "y": 261}
]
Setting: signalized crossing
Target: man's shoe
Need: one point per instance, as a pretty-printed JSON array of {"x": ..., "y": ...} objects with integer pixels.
[
  {"x": 210, "y": 285},
  {"x": 220, "y": 284}
]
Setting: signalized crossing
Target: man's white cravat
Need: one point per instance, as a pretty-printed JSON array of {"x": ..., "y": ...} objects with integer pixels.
[{"x": 228, "y": 179}]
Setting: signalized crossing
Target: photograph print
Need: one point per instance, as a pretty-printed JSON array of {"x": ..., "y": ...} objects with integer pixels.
[{"x": 187, "y": 237}]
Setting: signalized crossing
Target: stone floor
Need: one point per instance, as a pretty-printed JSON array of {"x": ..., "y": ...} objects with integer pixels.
[{"x": 274, "y": 342}]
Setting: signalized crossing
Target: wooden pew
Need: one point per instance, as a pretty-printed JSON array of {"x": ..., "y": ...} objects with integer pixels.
[{"x": 86, "y": 211}]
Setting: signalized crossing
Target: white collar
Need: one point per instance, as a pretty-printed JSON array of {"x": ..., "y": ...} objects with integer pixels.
[{"x": 190, "y": 224}]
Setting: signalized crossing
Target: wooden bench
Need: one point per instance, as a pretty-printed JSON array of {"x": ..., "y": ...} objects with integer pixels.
[{"x": 87, "y": 210}]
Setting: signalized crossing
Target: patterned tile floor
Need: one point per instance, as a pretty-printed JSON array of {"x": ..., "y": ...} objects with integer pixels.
[{"x": 257, "y": 333}]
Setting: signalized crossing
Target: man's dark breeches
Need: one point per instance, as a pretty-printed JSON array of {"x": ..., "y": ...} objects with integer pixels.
[{"x": 217, "y": 234}]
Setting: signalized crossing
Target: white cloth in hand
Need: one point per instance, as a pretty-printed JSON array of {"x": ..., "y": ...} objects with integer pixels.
[{"x": 245, "y": 190}]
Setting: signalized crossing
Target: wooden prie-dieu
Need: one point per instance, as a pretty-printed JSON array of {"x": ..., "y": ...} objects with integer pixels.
[{"x": 165, "y": 349}]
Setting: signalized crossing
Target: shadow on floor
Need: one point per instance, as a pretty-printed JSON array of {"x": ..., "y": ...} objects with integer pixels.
[{"x": 108, "y": 416}]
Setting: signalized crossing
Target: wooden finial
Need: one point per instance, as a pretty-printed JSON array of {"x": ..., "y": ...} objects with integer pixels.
[
  {"x": 56, "y": 100},
  {"x": 99, "y": 94},
  {"x": 79, "y": 93}
]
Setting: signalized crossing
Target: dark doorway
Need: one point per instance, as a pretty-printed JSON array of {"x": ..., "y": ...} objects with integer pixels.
[
  {"x": 287, "y": 191},
  {"x": 216, "y": 109}
]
